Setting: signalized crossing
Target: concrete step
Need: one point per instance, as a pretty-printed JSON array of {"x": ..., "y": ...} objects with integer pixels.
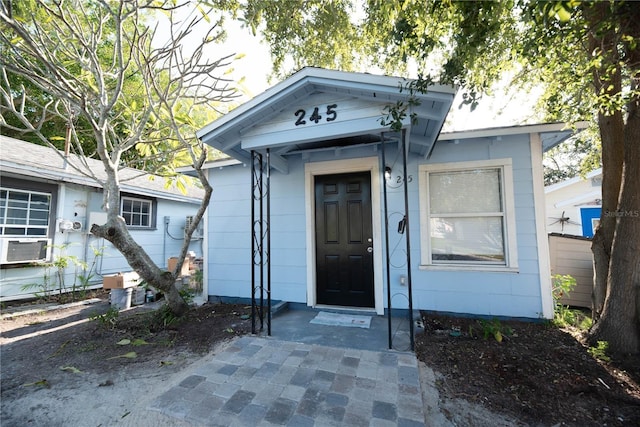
[{"x": 279, "y": 307}]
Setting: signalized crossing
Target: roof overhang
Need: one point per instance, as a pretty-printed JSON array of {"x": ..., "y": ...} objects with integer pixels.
[
  {"x": 323, "y": 109},
  {"x": 551, "y": 134},
  {"x": 568, "y": 182}
]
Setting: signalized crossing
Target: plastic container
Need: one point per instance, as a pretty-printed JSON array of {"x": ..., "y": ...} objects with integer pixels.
[
  {"x": 121, "y": 298},
  {"x": 149, "y": 296},
  {"x": 138, "y": 296}
]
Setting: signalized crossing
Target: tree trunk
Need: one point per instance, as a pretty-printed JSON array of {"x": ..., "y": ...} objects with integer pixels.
[
  {"x": 619, "y": 324},
  {"x": 612, "y": 137},
  {"x": 115, "y": 231}
]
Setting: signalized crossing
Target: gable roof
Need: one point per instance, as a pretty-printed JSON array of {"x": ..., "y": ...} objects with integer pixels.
[
  {"x": 570, "y": 181},
  {"x": 317, "y": 108},
  {"x": 25, "y": 159}
]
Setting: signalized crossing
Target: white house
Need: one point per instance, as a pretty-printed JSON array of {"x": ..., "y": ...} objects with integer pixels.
[
  {"x": 47, "y": 206},
  {"x": 312, "y": 207},
  {"x": 574, "y": 205},
  {"x": 573, "y": 210}
]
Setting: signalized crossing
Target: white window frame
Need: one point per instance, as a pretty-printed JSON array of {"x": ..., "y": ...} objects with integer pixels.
[
  {"x": 26, "y": 226},
  {"x": 509, "y": 223},
  {"x": 150, "y": 215}
]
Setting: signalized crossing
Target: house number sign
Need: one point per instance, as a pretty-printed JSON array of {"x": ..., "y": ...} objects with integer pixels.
[{"x": 330, "y": 115}]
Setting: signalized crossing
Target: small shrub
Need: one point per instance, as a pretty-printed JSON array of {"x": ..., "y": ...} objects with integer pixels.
[
  {"x": 584, "y": 322},
  {"x": 564, "y": 316},
  {"x": 107, "y": 319},
  {"x": 562, "y": 285},
  {"x": 166, "y": 316},
  {"x": 43, "y": 290},
  {"x": 187, "y": 295},
  {"x": 198, "y": 280},
  {"x": 492, "y": 328},
  {"x": 600, "y": 351}
]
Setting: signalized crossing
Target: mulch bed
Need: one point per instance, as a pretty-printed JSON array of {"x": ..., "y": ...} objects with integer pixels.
[{"x": 538, "y": 373}]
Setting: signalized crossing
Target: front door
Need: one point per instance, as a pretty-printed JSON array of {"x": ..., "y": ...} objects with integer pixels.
[{"x": 344, "y": 248}]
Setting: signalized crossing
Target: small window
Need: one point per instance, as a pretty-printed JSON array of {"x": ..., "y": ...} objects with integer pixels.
[
  {"x": 137, "y": 212},
  {"x": 466, "y": 215},
  {"x": 24, "y": 213}
]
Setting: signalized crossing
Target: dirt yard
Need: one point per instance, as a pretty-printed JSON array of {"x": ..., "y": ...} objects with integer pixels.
[
  {"x": 61, "y": 368},
  {"x": 538, "y": 374}
]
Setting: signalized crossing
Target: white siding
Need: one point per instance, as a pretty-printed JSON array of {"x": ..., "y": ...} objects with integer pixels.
[{"x": 568, "y": 199}]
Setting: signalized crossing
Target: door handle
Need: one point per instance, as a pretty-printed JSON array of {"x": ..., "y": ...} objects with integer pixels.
[{"x": 369, "y": 249}]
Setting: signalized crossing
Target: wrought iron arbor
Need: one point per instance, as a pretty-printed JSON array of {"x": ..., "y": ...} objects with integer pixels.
[{"x": 260, "y": 242}]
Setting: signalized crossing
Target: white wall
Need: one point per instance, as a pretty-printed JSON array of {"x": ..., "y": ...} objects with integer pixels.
[{"x": 568, "y": 197}]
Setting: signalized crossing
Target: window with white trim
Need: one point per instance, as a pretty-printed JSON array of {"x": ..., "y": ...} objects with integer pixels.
[
  {"x": 24, "y": 213},
  {"x": 137, "y": 212},
  {"x": 466, "y": 213}
]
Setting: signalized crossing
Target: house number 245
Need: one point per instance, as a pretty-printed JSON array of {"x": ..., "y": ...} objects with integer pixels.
[{"x": 315, "y": 116}]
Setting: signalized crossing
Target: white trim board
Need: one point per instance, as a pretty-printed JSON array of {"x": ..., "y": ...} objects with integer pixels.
[
  {"x": 511, "y": 243},
  {"x": 366, "y": 164},
  {"x": 544, "y": 263}
]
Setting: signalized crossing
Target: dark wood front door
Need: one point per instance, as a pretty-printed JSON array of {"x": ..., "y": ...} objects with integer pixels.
[{"x": 344, "y": 248}]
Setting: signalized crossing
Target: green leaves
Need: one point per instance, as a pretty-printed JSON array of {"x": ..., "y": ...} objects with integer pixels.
[
  {"x": 136, "y": 343},
  {"x": 42, "y": 383},
  {"x": 129, "y": 355}
]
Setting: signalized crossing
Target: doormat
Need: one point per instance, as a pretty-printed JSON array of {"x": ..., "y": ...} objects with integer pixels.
[{"x": 337, "y": 319}]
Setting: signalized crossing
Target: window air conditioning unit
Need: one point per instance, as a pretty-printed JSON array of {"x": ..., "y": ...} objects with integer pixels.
[
  {"x": 18, "y": 250},
  {"x": 197, "y": 234}
]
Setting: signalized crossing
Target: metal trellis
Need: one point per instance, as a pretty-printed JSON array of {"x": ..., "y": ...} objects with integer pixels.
[
  {"x": 403, "y": 148},
  {"x": 260, "y": 242}
]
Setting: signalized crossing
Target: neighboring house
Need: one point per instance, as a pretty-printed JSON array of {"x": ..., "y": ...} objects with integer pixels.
[
  {"x": 326, "y": 176},
  {"x": 573, "y": 209},
  {"x": 47, "y": 207},
  {"x": 574, "y": 205}
]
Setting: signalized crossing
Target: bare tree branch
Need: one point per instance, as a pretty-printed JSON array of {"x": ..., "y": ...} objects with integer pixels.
[{"x": 104, "y": 68}]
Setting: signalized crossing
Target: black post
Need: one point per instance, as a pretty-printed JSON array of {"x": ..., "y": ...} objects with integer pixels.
[
  {"x": 261, "y": 171},
  {"x": 253, "y": 242},
  {"x": 268, "y": 237},
  {"x": 386, "y": 238},
  {"x": 408, "y": 240}
]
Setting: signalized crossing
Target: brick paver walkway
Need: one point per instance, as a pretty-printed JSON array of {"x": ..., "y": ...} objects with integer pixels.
[{"x": 264, "y": 382}]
